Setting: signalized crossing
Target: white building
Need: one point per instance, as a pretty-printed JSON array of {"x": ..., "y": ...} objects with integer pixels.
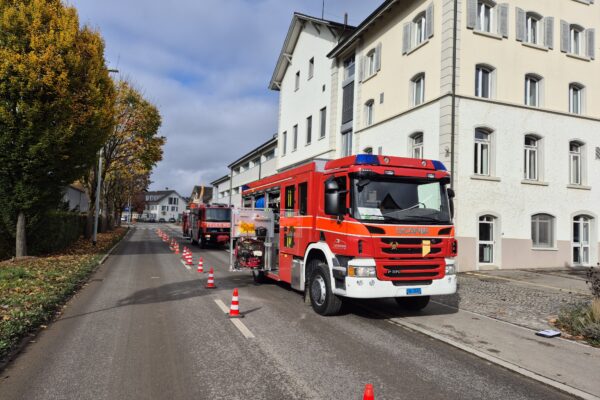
[
  {"x": 254, "y": 165},
  {"x": 163, "y": 204},
  {"x": 524, "y": 147},
  {"x": 302, "y": 75}
]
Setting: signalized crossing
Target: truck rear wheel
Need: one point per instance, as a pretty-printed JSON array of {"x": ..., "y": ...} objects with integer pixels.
[
  {"x": 322, "y": 299},
  {"x": 413, "y": 303}
]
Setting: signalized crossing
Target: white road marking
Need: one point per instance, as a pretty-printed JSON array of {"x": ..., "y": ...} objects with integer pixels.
[
  {"x": 187, "y": 266},
  {"x": 238, "y": 324}
]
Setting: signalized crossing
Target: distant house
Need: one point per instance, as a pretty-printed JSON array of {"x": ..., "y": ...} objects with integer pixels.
[
  {"x": 201, "y": 195},
  {"x": 165, "y": 204},
  {"x": 76, "y": 198}
]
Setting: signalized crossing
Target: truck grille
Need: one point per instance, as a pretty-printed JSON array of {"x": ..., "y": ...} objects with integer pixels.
[
  {"x": 411, "y": 270},
  {"x": 409, "y": 246}
]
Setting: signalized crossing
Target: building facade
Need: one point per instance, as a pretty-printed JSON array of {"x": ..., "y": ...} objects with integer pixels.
[
  {"x": 163, "y": 205},
  {"x": 254, "y": 165}
]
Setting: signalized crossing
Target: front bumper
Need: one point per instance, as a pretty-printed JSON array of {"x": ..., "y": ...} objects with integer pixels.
[{"x": 372, "y": 288}]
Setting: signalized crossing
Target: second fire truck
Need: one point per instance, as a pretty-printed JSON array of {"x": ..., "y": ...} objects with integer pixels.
[{"x": 208, "y": 224}]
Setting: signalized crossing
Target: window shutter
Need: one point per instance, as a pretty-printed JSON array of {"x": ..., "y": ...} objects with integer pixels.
[
  {"x": 429, "y": 21},
  {"x": 378, "y": 57},
  {"x": 521, "y": 22},
  {"x": 503, "y": 20},
  {"x": 406, "y": 38},
  {"x": 471, "y": 14},
  {"x": 590, "y": 41},
  {"x": 564, "y": 36},
  {"x": 360, "y": 66},
  {"x": 549, "y": 32}
]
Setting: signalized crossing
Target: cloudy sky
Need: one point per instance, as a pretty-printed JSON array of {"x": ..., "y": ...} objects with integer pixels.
[{"x": 206, "y": 64}]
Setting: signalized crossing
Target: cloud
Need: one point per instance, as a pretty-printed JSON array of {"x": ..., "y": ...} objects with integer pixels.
[{"x": 206, "y": 64}]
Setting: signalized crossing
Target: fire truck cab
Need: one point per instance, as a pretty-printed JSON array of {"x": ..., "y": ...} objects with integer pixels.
[
  {"x": 209, "y": 224},
  {"x": 363, "y": 226}
]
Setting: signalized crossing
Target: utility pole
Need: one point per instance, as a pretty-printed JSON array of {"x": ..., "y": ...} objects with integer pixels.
[{"x": 323, "y": 10}]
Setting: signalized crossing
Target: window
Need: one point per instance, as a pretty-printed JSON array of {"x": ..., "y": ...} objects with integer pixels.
[
  {"x": 173, "y": 208},
  {"x": 486, "y": 239},
  {"x": 418, "y": 86},
  {"x": 369, "y": 112},
  {"x": 295, "y": 138},
  {"x": 269, "y": 155},
  {"x": 311, "y": 68},
  {"x": 542, "y": 231},
  {"x": 575, "y": 98},
  {"x": 308, "y": 130},
  {"x": 283, "y": 150},
  {"x": 532, "y": 90},
  {"x": 485, "y": 14},
  {"x": 533, "y": 28},
  {"x": 575, "y": 39},
  {"x": 370, "y": 63},
  {"x": 531, "y": 158},
  {"x": 482, "y": 151},
  {"x": 346, "y": 143},
  {"x": 483, "y": 81},
  {"x": 323, "y": 120},
  {"x": 575, "y": 164},
  {"x": 297, "y": 83},
  {"x": 368, "y": 150},
  {"x": 256, "y": 162},
  {"x": 416, "y": 142},
  {"x": 419, "y": 29},
  {"x": 349, "y": 68},
  {"x": 303, "y": 198}
]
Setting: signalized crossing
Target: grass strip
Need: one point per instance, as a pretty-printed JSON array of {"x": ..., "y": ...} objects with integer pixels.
[{"x": 32, "y": 290}]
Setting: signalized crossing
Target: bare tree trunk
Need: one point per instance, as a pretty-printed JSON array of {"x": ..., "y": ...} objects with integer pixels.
[{"x": 21, "y": 242}]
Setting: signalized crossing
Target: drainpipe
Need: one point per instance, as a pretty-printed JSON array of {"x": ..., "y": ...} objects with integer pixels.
[
  {"x": 230, "y": 184},
  {"x": 453, "y": 113}
]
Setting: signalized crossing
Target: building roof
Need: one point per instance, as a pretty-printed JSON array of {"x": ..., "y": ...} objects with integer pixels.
[
  {"x": 285, "y": 56},
  {"x": 161, "y": 195},
  {"x": 346, "y": 42},
  {"x": 221, "y": 179},
  {"x": 252, "y": 153}
]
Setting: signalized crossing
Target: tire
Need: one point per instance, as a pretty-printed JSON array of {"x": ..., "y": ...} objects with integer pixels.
[
  {"x": 413, "y": 303},
  {"x": 201, "y": 242},
  {"x": 259, "y": 277},
  {"x": 322, "y": 299}
]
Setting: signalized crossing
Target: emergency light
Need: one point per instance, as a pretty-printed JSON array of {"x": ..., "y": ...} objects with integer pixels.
[{"x": 366, "y": 159}]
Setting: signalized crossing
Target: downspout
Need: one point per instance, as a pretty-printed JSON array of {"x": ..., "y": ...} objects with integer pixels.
[
  {"x": 453, "y": 95},
  {"x": 230, "y": 184}
]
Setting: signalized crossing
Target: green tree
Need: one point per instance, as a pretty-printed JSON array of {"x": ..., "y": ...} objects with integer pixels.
[{"x": 56, "y": 106}]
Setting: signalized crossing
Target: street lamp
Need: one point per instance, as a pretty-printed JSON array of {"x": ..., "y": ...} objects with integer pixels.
[{"x": 99, "y": 185}]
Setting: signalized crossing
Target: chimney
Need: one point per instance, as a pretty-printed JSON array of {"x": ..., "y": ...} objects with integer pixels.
[{"x": 345, "y": 19}]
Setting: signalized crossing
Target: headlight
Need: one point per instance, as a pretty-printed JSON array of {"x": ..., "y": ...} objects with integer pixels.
[
  {"x": 451, "y": 266},
  {"x": 363, "y": 272},
  {"x": 257, "y": 253}
]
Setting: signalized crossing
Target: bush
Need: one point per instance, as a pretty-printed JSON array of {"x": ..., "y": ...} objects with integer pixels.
[
  {"x": 57, "y": 231},
  {"x": 582, "y": 320},
  {"x": 593, "y": 281}
]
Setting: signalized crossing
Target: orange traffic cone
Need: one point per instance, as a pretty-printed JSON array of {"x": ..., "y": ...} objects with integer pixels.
[
  {"x": 201, "y": 265},
  {"x": 234, "y": 310},
  {"x": 184, "y": 254},
  {"x": 210, "y": 284},
  {"x": 189, "y": 259},
  {"x": 176, "y": 248},
  {"x": 369, "y": 395}
]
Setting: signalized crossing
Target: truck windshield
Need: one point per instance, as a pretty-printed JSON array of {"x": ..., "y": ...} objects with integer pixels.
[
  {"x": 400, "y": 201},
  {"x": 218, "y": 214}
]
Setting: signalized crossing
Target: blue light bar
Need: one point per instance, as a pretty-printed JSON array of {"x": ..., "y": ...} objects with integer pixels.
[
  {"x": 366, "y": 159},
  {"x": 439, "y": 166},
  {"x": 245, "y": 187}
]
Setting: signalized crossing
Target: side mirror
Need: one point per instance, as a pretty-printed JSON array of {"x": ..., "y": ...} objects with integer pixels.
[
  {"x": 332, "y": 197},
  {"x": 451, "y": 195}
]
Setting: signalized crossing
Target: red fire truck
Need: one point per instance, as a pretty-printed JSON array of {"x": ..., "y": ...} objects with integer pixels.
[
  {"x": 363, "y": 226},
  {"x": 209, "y": 224}
]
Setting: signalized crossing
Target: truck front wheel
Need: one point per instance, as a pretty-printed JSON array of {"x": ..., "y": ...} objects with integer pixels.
[
  {"x": 322, "y": 299},
  {"x": 413, "y": 303}
]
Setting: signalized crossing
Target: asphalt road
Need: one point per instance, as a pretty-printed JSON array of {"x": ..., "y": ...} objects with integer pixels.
[{"x": 146, "y": 328}]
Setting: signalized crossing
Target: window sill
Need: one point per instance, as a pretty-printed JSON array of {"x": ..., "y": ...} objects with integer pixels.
[
  {"x": 417, "y": 47},
  {"x": 487, "y": 34},
  {"x": 579, "y": 187},
  {"x": 309, "y": 78},
  {"x": 544, "y": 248},
  {"x": 535, "y": 46},
  {"x": 485, "y": 178},
  {"x": 321, "y": 138},
  {"x": 578, "y": 57},
  {"x": 369, "y": 77},
  {"x": 307, "y": 144},
  {"x": 534, "y": 183}
]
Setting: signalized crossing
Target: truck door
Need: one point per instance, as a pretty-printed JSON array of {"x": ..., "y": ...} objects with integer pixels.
[{"x": 331, "y": 228}]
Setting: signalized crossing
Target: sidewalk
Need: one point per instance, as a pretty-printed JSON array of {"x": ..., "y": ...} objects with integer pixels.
[{"x": 481, "y": 318}]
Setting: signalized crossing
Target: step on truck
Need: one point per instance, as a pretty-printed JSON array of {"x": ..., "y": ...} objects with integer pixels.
[
  {"x": 209, "y": 224},
  {"x": 360, "y": 227}
]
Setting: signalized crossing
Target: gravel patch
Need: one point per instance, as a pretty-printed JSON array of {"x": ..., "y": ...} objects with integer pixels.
[{"x": 508, "y": 301}]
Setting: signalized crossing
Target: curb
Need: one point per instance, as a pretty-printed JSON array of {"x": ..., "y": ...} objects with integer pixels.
[
  {"x": 495, "y": 360},
  {"x": 109, "y": 252}
]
